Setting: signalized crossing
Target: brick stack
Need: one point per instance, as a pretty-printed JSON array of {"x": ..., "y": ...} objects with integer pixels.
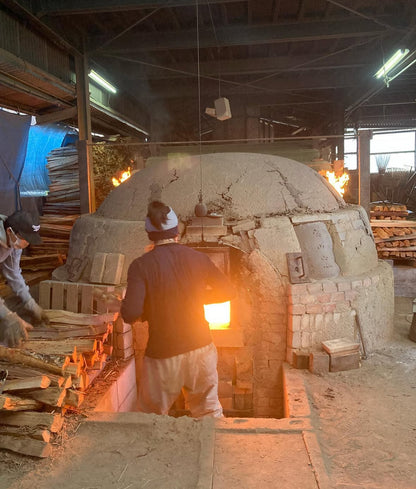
[
  {"x": 122, "y": 339},
  {"x": 322, "y": 310},
  {"x": 236, "y": 381}
]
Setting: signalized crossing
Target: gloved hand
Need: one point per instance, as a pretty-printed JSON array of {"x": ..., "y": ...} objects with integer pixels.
[
  {"x": 112, "y": 299},
  {"x": 38, "y": 314},
  {"x": 13, "y": 329}
]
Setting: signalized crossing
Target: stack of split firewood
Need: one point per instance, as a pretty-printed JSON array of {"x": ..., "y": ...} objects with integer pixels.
[
  {"x": 63, "y": 197},
  {"x": 55, "y": 231},
  {"x": 61, "y": 209},
  {"x": 49, "y": 375},
  {"x": 394, "y": 232}
]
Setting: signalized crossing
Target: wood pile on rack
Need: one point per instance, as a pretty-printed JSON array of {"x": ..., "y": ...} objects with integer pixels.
[
  {"x": 63, "y": 197},
  {"x": 31, "y": 278},
  {"x": 61, "y": 209},
  {"x": 48, "y": 376},
  {"x": 394, "y": 233}
]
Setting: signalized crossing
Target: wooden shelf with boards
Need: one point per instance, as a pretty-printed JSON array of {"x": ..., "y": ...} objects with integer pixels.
[
  {"x": 394, "y": 233},
  {"x": 76, "y": 296}
]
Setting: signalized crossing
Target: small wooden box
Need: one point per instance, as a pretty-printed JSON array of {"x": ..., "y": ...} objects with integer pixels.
[
  {"x": 301, "y": 359},
  {"x": 319, "y": 362},
  {"x": 340, "y": 345},
  {"x": 344, "y": 361}
]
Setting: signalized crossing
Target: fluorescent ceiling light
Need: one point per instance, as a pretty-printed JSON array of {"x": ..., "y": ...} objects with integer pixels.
[
  {"x": 392, "y": 62},
  {"x": 101, "y": 81}
]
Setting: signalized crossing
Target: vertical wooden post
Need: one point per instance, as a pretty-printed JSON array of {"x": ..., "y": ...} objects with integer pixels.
[
  {"x": 86, "y": 177},
  {"x": 252, "y": 123},
  {"x": 339, "y": 129},
  {"x": 364, "y": 182}
]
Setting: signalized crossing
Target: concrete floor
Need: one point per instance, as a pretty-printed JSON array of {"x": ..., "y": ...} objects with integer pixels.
[{"x": 266, "y": 453}]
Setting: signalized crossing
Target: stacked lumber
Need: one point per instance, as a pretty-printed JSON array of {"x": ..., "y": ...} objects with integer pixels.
[
  {"x": 62, "y": 206},
  {"x": 39, "y": 262},
  {"x": 63, "y": 196},
  {"x": 389, "y": 212},
  {"x": 394, "y": 233},
  {"x": 31, "y": 278},
  {"x": 55, "y": 231},
  {"x": 48, "y": 376}
]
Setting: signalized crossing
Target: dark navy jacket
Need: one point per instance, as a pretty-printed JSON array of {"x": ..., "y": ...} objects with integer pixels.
[{"x": 168, "y": 287}]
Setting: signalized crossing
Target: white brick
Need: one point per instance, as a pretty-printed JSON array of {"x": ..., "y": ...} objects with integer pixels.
[
  {"x": 343, "y": 286},
  {"x": 306, "y": 340},
  {"x": 319, "y": 322},
  {"x": 294, "y": 339},
  {"x": 305, "y": 321},
  {"x": 295, "y": 323}
]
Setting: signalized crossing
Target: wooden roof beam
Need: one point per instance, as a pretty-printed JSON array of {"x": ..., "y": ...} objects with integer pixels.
[
  {"x": 63, "y": 7},
  {"x": 245, "y": 35},
  {"x": 259, "y": 66}
]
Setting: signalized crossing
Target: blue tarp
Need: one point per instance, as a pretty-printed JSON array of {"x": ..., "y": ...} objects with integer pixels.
[
  {"x": 42, "y": 140},
  {"x": 14, "y": 132}
]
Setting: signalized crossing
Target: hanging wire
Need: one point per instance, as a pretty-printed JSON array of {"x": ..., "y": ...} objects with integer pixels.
[
  {"x": 218, "y": 49},
  {"x": 124, "y": 31},
  {"x": 199, "y": 118},
  {"x": 199, "y": 84}
]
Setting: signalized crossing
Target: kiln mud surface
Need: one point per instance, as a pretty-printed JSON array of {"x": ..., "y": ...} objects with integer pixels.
[{"x": 365, "y": 421}]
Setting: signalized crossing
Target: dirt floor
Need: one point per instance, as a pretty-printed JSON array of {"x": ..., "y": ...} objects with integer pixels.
[
  {"x": 365, "y": 421},
  {"x": 160, "y": 452},
  {"x": 366, "y": 418}
]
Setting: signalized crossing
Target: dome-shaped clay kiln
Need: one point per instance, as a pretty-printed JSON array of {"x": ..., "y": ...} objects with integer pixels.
[
  {"x": 302, "y": 260},
  {"x": 238, "y": 185}
]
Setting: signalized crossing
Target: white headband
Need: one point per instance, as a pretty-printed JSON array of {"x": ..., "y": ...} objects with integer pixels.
[{"x": 171, "y": 222}]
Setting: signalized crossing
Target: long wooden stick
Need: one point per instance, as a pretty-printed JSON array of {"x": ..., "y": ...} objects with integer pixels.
[
  {"x": 60, "y": 316},
  {"x": 392, "y": 224},
  {"x": 16, "y": 356},
  {"x": 15, "y": 403}
]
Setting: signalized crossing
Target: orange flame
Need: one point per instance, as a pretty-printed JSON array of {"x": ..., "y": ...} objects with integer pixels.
[
  {"x": 124, "y": 176},
  {"x": 218, "y": 315},
  {"x": 338, "y": 182}
]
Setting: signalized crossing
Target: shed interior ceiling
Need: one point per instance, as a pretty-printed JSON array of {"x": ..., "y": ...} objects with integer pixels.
[{"x": 302, "y": 64}]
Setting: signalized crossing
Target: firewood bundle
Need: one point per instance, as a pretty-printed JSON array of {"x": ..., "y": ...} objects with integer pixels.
[
  {"x": 31, "y": 278},
  {"x": 394, "y": 233},
  {"x": 49, "y": 375},
  {"x": 55, "y": 231},
  {"x": 389, "y": 212},
  {"x": 62, "y": 206},
  {"x": 63, "y": 197}
]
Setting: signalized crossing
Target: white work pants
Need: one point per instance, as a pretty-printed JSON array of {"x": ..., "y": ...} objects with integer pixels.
[{"x": 194, "y": 372}]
